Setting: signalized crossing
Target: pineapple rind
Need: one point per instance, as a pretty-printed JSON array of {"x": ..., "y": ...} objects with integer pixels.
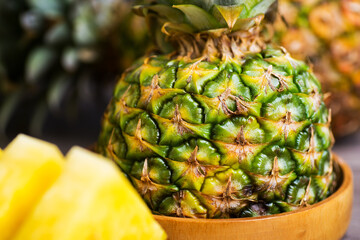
[{"x": 263, "y": 115}]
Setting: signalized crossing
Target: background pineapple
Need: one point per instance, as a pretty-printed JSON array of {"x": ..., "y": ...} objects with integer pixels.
[
  {"x": 224, "y": 126},
  {"x": 55, "y": 55},
  {"x": 327, "y": 33}
]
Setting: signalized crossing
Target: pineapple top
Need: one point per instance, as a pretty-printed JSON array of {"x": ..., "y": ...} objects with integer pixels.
[
  {"x": 208, "y": 27},
  {"x": 207, "y": 15}
]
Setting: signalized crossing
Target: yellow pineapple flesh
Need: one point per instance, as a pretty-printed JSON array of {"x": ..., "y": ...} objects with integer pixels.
[
  {"x": 28, "y": 167},
  {"x": 92, "y": 199}
]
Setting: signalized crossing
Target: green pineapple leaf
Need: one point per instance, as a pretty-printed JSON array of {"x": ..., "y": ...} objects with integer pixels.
[{"x": 198, "y": 17}]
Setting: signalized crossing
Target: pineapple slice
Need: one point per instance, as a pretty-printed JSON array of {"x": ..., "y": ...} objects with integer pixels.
[
  {"x": 91, "y": 200},
  {"x": 28, "y": 167}
]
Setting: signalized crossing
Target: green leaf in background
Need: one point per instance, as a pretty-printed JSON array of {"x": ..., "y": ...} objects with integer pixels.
[
  {"x": 49, "y": 8},
  {"x": 84, "y": 26},
  {"x": 58, "y": 34},
  {"x": 38, "y": 63},
  {"x": 57, "y": 91},
  {"x": 38, "y": 119},
  {"x": 7, "y": 108},
  {"x": 70, "y": 59}
]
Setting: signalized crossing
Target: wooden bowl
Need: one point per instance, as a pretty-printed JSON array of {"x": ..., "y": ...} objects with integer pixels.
[{"x": 327, "y": 220}]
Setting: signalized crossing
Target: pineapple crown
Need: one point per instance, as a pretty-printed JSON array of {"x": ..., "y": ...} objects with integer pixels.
[
  {"x": 198, "y": 27},
  {"x": 194, "y": 16}
]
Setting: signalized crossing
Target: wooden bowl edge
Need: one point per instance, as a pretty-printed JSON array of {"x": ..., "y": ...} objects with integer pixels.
[{"x": 347, "y": 182}]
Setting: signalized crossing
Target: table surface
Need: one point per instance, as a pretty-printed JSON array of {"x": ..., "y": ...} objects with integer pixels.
[{"x": 348, "y": 148}]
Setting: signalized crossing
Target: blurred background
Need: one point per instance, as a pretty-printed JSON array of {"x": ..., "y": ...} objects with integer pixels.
[{"x": 60, "y": 59}]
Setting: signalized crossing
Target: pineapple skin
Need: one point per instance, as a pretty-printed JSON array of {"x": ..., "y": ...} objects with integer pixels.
[
  {"x": 28, "y": 168},
  {"x": 90, "y": 200},
  {"x": 327, "y": 33},
  {"x": 221, "y": 139}
]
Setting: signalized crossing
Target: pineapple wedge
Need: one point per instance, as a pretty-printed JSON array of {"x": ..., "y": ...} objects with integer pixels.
[
  {"x": 91, "y": 200},
  {"x": 28, "y": 167}
]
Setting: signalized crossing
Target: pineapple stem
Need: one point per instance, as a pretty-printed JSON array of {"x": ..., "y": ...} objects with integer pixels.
[{"x": 217, "y": 43}]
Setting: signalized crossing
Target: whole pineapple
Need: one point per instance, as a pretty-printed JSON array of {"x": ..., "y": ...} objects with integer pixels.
[
  {"x": 328, "y": 34},
  {"x": 54, "y": 52},
  {"x": 224, "y": 126}
]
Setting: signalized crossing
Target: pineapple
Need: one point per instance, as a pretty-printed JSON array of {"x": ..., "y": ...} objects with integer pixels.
[
  {"x": 28, "y": 167},
  {"x": 90, "y": 200},
  {"x": 83, "y": 196},
  {"x": 327, "y": 33},
  {"x": 225, "y": 125},
  {"x": 53, "y": 55}
]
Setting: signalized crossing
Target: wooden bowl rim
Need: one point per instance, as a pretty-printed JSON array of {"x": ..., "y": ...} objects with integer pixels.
[{"x": 346, "y": 183}]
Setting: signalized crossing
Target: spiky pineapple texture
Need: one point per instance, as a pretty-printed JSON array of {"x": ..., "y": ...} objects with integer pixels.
[
  {"x": 211, "y": 139},
  {"x": 327, "y": 34},
  {"x": 223, "y": 127},
  {"x": 54, "y": 52}
]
